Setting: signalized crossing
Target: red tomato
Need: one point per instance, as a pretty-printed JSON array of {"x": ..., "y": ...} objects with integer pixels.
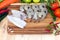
[
  {"x": 57, "y": 12},
  {"x": 54, "y": 6}
]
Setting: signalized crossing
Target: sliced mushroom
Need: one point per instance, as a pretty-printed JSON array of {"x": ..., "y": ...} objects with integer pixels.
[
  {"x": 41, "y": 15},
  {"x": 45, "y": 10},
  {"x": 42, "y": 6},
  {"x": 35, "y": 7},
  {"x": 26, "y": 7},
  {"x": 22, "y": 8},
  {"x": 35, "y": 17}
]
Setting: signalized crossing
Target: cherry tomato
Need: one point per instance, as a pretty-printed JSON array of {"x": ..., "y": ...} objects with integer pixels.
[
  {"x": 57, "y": 12},
  {"x": 54, "y": 6}
]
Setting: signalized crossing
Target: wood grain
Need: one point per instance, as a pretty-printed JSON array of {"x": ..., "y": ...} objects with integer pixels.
[{"x": 31, "y": 28}]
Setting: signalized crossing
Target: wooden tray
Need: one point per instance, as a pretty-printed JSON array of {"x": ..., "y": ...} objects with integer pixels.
[{"x": 31, "y": 28}]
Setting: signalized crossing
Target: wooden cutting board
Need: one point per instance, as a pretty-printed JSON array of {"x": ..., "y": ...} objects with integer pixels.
[{"x": 30, "y": 28}]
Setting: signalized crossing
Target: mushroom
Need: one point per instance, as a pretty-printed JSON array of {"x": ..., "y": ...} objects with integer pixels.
[
  {"x": 42, "y": 5},
  {"x": 26, "y": 7},
  {"x": 22, "y": 8},
  {"x": 29, "y": 13}
]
